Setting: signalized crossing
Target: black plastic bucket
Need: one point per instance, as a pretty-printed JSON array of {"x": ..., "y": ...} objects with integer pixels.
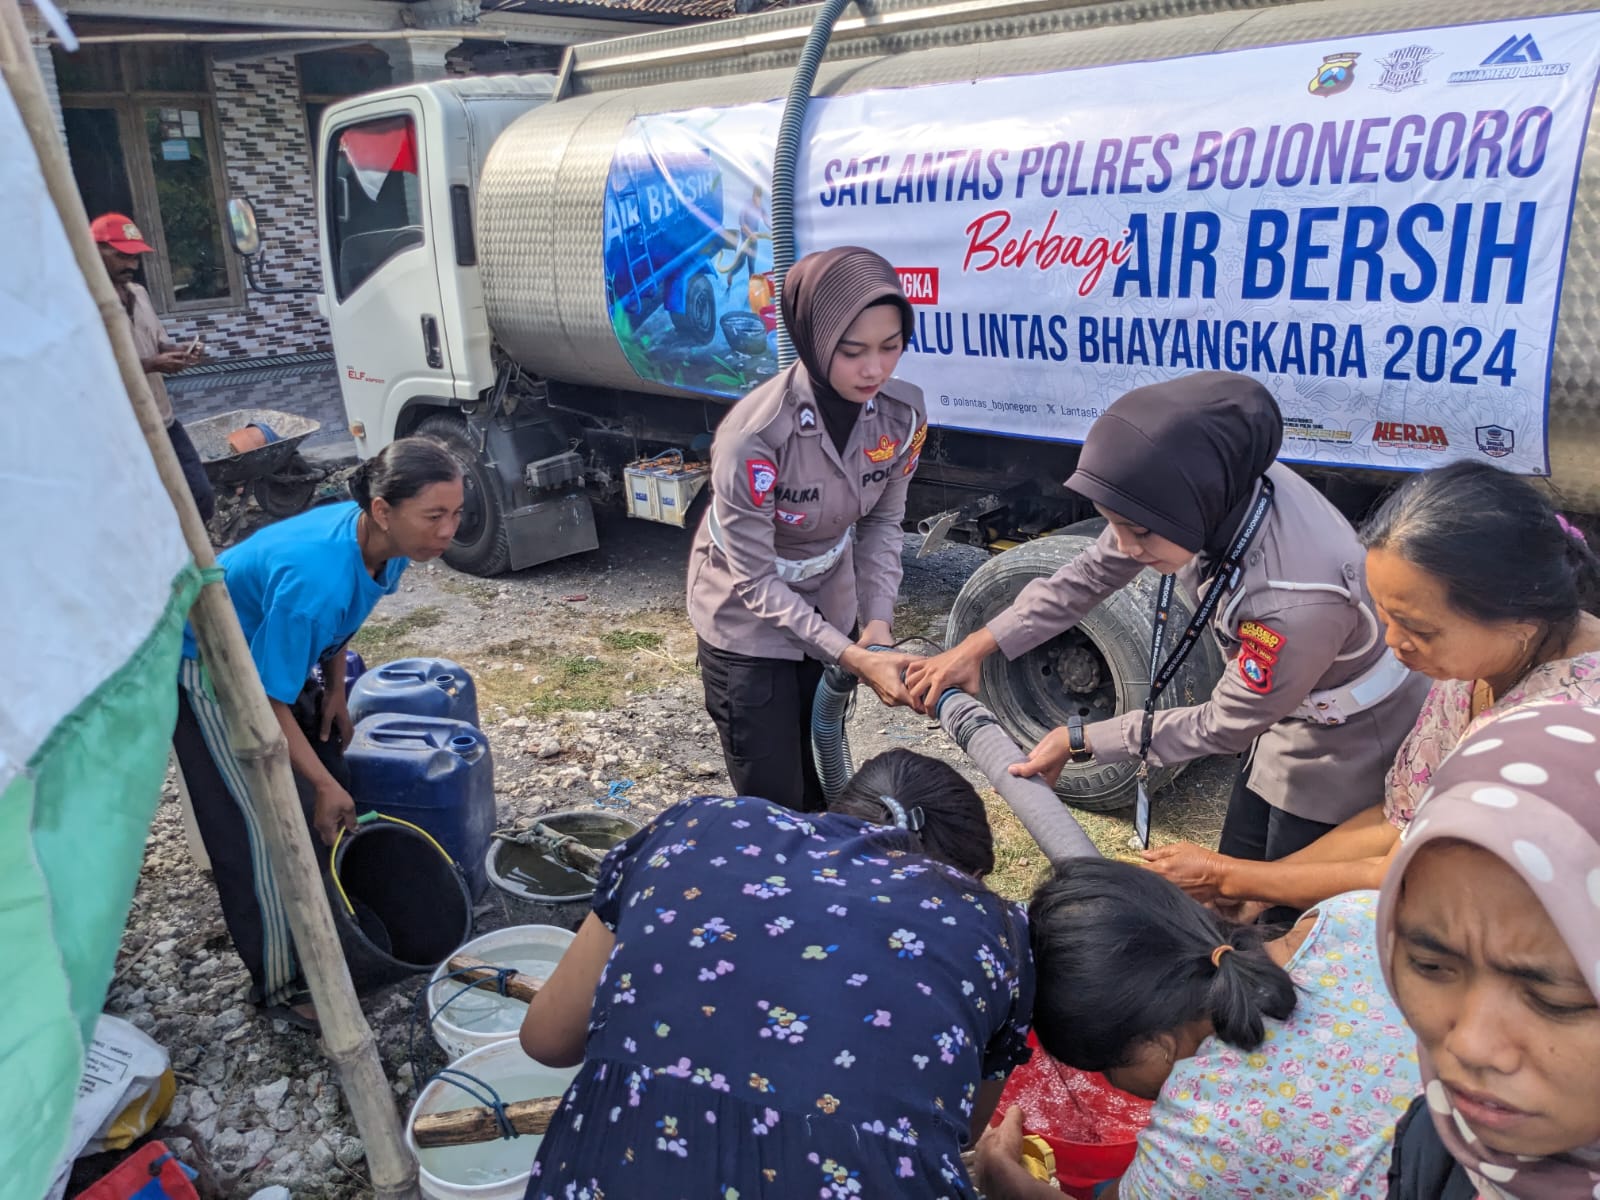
[{"x": 399, "y": 902}]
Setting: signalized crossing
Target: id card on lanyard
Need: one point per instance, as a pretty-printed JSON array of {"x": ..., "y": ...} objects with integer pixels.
[{"x": 1225, "y": 579}]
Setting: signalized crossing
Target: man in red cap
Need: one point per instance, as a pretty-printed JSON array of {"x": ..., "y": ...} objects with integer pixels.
[{"x": 120, "y": 244}]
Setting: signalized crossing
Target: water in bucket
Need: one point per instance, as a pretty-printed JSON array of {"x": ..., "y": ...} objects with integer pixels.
[
  {"x": 464, "y": 1019},
  {"x": 495, "y": 1170}
]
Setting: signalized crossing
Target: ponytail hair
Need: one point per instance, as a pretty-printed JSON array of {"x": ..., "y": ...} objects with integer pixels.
[
  {"x": 1123, "y": 955},
  {"x": 1496, "y": 543},
  {"x": 402, "y": 469},
  {"x": 944, "y": 815}
]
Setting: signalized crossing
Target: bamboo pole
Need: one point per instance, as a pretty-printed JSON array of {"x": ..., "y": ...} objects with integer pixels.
[
  {"x": 469, "y": 1126},
  {"x": 252, "y": 728}
]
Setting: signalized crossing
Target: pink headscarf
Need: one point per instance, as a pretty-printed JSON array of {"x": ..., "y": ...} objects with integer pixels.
[{"x": 1525, "y": 788}]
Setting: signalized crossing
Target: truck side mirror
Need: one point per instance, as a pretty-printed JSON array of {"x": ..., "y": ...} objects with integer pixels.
[
  {"x": 245, "y": 238},
  {"x": 242, "y": 232}
]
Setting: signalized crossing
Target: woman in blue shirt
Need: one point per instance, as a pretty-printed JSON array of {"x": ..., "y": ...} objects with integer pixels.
[{"x": 301, "y": 589}]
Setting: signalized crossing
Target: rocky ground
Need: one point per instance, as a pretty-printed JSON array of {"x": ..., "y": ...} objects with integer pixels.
[{"x": 585, "y": 672}]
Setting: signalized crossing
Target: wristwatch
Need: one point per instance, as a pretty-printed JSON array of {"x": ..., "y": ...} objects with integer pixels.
[{"x": 1077, "y": 743}]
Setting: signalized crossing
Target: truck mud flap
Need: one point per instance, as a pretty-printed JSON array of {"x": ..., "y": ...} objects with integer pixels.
[{"x": 551, "y": 528}]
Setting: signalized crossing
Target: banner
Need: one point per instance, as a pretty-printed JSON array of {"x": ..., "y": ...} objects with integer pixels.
[{"x": 1375, "y": 227}]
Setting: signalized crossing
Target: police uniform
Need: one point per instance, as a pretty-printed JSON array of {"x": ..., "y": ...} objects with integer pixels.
[
  {"x": 1309, "y": 682},
  {"x": 799, "y": 543}
]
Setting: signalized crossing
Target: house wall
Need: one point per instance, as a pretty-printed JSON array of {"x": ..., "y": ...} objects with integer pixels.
[{"x": 267, "y": 160}]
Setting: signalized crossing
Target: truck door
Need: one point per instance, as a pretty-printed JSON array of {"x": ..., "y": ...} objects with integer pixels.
[{"x": 379, "y": 268}]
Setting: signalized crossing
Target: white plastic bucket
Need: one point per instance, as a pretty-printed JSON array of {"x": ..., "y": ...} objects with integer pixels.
[
  {"x": 496, "y": 1170},
  {"x": 480, "y": 1017}
]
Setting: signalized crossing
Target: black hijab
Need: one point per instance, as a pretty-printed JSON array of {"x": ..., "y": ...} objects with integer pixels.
[
  {"x": 823, "y": 294},
  {"x": 1182, "y": 458}
]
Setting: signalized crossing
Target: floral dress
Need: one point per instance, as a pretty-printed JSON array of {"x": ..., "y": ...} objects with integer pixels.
[
  {"x": 1311, "y": 1111},
  {"x": 1446, "y": 718},
  {"x": 790, "y": 1011}
]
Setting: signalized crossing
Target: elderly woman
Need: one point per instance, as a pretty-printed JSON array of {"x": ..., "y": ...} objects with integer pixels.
[
  {"x": 1278, "y": 1067},
  {"x": 1488, "y": 931},
  {"x": 1485, "y": 588}
]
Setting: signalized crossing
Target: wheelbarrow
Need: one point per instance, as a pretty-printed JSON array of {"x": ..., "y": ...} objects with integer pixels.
[{"x": 281, "y": 481}]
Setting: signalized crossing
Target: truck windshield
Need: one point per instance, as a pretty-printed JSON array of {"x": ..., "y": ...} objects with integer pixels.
[{"x": 374, "y": 198}]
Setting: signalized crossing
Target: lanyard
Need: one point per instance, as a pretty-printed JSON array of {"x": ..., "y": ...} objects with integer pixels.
[{"x": 1224, "y": 580}]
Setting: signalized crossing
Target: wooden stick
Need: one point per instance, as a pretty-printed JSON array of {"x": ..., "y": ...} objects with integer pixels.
[
  {"x": 468, "y": 1126},
  {"x": 578, "y": 856},
  {"x": 483, "y": 975},
  {"x": 251, "y": 727}
]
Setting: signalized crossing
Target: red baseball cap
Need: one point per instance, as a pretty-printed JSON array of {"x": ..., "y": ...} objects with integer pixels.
[{"x": 120, "y": 233}]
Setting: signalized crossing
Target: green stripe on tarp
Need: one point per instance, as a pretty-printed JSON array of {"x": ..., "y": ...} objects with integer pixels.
[{"x": 72, "y": 834}]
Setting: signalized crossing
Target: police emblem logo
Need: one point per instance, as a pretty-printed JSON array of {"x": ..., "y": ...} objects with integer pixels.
[
  {"x": 763, "y": 478},
  {"x": 1256, "y": 672},
  {"x": 1402, "y": 68},
  {"x": 884, "y": 450},
  {"x": 920, "y": 436},
  {"x": 1337, "y": 73},
  {"x": 791, "y": 518},
  {"x": 808, "y": 417},
  {"x": 1496, "y": 440}
]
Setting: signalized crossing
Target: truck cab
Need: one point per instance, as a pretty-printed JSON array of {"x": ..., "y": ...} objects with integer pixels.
[{"x": 397, "y": 175}]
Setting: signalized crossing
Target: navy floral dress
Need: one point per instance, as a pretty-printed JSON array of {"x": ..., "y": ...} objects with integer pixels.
[{"x": 790, "y": 1011}]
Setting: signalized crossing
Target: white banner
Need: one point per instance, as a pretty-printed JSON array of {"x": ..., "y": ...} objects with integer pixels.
[{"x": 1375, "y": 227}]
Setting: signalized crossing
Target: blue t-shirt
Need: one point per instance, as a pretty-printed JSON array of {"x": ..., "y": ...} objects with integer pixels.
[{"x": 301, "y": 590}]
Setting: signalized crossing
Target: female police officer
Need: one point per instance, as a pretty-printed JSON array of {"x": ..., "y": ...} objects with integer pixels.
[
  {"x": 801, "y": 541},
  {"x": 1184, "y": 473}
]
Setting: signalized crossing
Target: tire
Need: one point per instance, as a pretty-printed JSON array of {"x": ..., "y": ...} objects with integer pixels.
[
  {"x": 482, "y": 545},
  {"x": 697, "y": 322},
  {"x": 287, "y": 492},
  {"x": 1106, "y": 656}
]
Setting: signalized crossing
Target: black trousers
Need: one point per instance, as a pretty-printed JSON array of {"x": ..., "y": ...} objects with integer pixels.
[
  {"x": 251, "y": 906},
  {"x": 762, "y": 710},
  {"x": 194, "y": 474},
  {"x": 1256, "y": 830}
]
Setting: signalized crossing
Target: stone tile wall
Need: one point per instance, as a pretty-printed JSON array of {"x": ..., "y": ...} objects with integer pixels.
[{"x": 266, "y": 159}]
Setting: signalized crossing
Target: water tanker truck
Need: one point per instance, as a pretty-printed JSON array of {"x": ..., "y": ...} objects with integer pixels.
[{"x": 1389, "y": 214}]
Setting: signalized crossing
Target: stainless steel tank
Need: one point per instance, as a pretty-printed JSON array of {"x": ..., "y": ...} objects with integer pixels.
[{"x": 541, "y": 196}]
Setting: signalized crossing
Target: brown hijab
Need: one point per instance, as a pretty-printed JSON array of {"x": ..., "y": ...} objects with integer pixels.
[
  {"x": 825, "y": 292},
  {"x": 1521, "y": 787},
  {"x": 1182, "y": 458}
]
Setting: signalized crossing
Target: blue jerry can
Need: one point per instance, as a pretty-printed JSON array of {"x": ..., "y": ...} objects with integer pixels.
[
  {"x": 419, "y": 687},
  {"x": 354, "y": 668},
  {"x": 434, "y": 772}
]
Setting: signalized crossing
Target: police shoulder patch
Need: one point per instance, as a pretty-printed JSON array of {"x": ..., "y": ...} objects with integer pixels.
[
  {"x": 1266, "y": 641},
  {"x": 763, "y": 477},
  {"x": 1255, "y": 670}
]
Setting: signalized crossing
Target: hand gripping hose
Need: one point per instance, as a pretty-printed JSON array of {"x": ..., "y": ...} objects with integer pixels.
[
  {"x": 972, "y": 727},
  {"x": 787, "y": 158}
]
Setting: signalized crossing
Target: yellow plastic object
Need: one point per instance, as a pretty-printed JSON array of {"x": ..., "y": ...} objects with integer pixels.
[
  {"x": 142, "y": 1114},
  {"x": 1039, "y": 1158}
]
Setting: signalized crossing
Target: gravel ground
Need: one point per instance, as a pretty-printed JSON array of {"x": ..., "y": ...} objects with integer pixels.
[{"x": 585, "y": 671}]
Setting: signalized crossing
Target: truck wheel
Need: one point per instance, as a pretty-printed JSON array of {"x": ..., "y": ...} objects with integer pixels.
[
  {"x": 1097, "y": 670},
  {"x": 698, "y": 320},
  {"x": 482, "y": 545}
]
